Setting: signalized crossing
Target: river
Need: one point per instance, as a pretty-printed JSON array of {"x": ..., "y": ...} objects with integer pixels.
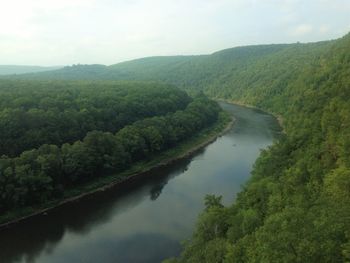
[{"x": 146, "y": 220}]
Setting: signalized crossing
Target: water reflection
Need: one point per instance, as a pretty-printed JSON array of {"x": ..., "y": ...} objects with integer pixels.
[
  {"x": 26, "y": 240},
  {"x": 144, "y": 221}
]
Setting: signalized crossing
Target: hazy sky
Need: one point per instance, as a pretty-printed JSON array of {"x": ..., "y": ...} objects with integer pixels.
[{"x": 60, "y": 32}]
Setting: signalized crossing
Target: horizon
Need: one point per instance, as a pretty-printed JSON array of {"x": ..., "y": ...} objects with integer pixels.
[
  {"x": 65, "y": 32},
  {"x": 178, "y": 55}
]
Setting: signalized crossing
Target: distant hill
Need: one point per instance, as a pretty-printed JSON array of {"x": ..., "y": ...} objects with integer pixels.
[
  {"x": 19, "y": 69},
  {"x": 214, "y": 73},
  {"x": 184, "y": 71}
]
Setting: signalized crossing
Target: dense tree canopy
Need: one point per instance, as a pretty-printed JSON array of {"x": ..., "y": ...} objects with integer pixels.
[
  {"x": 33, "y": 113},
  {"x": 39, "y": 175},
  {"x": 296, "y": 207}
]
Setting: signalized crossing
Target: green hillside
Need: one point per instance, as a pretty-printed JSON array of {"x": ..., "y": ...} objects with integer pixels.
[
  {"x": 188, "y": 72},
  {"x": 296, "y": 207}
]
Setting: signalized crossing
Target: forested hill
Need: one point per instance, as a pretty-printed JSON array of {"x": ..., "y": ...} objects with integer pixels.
[
  {"x": 296, "y": 207},
  {"x": 189, "y": 72}
]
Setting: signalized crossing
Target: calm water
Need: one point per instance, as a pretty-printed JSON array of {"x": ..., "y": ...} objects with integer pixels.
[{"x": 146, "y": 221}]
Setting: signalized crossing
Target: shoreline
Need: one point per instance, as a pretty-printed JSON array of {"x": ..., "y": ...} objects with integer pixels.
[
  {"x": 278, "y": 117},
  {"x": 133, "y": 176}
]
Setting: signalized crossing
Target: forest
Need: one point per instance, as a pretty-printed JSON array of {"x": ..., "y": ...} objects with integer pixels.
[
  {"x": 73, "y": 132},
  {"x": 34, "y": 113},
  {"x": 295, "y": 207}
]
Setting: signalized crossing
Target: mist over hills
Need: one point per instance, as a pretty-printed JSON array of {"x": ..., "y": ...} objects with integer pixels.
[{"x": 21, "y": 69}]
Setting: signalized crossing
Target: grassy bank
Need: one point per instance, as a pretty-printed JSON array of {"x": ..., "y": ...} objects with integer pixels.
[{"x": 183, "y": 150}]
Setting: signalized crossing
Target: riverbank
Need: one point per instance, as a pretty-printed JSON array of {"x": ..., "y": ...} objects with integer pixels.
[
  {"x": 137, "y": 171},
  {"x": 278, "y": 117}
]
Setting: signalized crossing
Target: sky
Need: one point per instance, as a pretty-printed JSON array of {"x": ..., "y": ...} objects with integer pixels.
[{"x": 65, "y": 32}]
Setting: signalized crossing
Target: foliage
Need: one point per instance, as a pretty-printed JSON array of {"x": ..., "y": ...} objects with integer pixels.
[
  {"x": 37, "y": 176},
  {"x": 34, "y": 113},
  {"x": 296, "y": 207}
]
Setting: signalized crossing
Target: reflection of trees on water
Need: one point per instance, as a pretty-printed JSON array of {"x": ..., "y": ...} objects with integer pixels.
[
  {"x": 156, "y": 191},
  {"x": 181, "y": 167},
  {"x": 27, "y": 240}
]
